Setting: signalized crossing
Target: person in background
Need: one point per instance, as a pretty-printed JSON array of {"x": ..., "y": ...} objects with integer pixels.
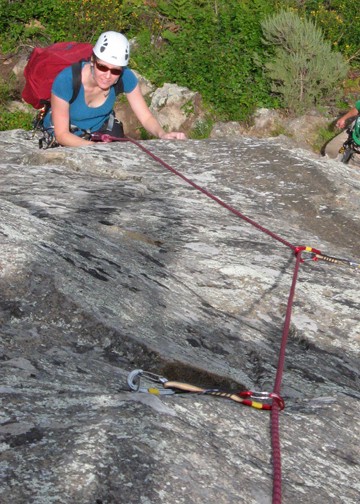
[
  {"x": 332, "y": 148},
  {"x": 92, "y": 110}
]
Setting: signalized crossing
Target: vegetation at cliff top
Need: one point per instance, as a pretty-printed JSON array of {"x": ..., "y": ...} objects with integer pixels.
[{"x": 221, "y": 48}]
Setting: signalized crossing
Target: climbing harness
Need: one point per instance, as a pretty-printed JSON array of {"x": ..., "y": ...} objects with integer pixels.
[
  {"x": 46, "y": 136},
  {"x": 260, "y": 400},
  {"x": 351, "y": 145},
  {"x": 257, "y": 400}
]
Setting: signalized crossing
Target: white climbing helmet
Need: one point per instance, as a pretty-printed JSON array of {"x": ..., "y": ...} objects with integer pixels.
[{"x": 113, "y": 47}]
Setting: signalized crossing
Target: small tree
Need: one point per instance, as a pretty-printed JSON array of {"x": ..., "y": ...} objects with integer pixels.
[{"x": 303, "y": 68}]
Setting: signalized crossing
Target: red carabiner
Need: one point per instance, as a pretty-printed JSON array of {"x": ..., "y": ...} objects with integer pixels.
[
  {"x": 308, "y": 250},
  {"x": 256, "y": 399}
]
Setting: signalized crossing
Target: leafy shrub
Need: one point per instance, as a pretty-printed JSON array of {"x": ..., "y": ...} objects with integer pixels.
[
  {"x": 216, "y": 51},
  {"x": 89, "y": 18},
  {"x": 303, "y": 68},
  {"x": 340, "y": 23},
  {"x": 8, "y": 90},
  {"x": 16, "y": 120},
  {"x": 28, "y": 21},
  {"x": 24, "y": 20},
  {"x": 5, "y": 91},
  {"x": 12, "y": 120}
]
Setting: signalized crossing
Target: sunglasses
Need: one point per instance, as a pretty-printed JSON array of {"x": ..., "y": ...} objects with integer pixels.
[{"x": 104, "y": 68}]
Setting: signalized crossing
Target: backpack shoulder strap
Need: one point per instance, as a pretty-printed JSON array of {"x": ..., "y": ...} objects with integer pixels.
[
  {"x": 119, "y": 86},
  {"x": 76, "y": 79}
]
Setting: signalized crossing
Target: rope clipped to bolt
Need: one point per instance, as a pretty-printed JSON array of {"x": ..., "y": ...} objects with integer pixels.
[
  {"x": 302, "y": 254},
  {"x": 315, "y": 254}
]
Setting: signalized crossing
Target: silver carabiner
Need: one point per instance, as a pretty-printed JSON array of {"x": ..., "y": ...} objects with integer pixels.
[{"x": 134, "y": 381}]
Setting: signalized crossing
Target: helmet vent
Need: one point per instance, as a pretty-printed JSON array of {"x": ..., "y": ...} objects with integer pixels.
[{"x": 104, "y": 44}]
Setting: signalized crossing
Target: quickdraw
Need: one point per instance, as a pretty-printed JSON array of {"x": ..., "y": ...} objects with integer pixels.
[
  {"x": 316, "y": 255},
  {"x": 257, "y": 400},
  {"x": 337, "y": 260}
]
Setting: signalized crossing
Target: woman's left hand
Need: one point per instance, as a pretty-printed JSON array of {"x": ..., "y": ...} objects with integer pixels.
[{"x": 174, "y": 135}]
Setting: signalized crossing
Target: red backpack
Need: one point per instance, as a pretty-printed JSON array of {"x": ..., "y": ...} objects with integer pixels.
[{"x": 46, "y": 62}]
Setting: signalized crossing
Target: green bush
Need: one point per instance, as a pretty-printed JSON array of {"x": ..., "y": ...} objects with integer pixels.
[
  {"x": 29, "y": 21},
  {"x": 86, "y": 19},
  {"x": 5, "y": 91},
  {"x": 8, "y": 90},
  {"x": 340, "y": 23},
  {"x": 16, "y": 120},
  {"x": 12, "y": 120},
  {"x": 25, "y": 21},
  {"x": 303, "y": 68},
  {"x": 216, "y": 52}
]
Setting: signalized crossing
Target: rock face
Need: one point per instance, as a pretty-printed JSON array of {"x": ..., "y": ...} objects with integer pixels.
[
  {"x": 175, "y": 107},
  {"x": 110, "y": 263},
  {"x": 300, "y": 132}
]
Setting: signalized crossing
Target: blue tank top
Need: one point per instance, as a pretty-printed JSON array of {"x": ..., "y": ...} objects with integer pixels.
[{"x": 81, "y": 115}]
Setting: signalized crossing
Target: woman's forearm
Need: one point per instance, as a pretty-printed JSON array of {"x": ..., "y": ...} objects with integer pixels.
[{"x": 68, "y": 139}]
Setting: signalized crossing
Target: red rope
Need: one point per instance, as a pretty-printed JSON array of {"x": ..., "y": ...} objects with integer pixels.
[
  {"x": 212, "y": 196},
  {"x": 275, "y": 434}
]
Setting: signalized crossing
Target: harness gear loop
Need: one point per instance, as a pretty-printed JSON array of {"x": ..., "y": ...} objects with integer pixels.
[{"x": 38, "y": 121}]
